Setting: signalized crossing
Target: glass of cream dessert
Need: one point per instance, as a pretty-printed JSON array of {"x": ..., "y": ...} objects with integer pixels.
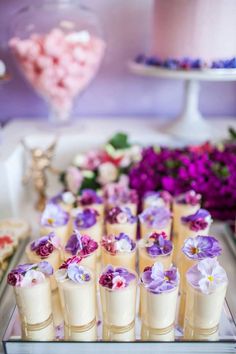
[
  {"x": 157, "y": 199},
  {"x": 66, "y": 200},
  {"x": 155, "y": 248},
  {"x": 83, "y": 247},
  {"x": 192, "y": 225},
  {"x": 55, "y": 219},
  {"x": 206, "y": 288},
  {"x": 117, "y": 194},
  {"x": 118, "y": 287},
  {"x": 48, "y": 248},
  {"x": 159, "y": 297},
  {"x": 33, "y": 298},
  {"x": 121, "y": 219},
  {"x": 89, "y": 198},
  {"x": 119, "y": 251},
  {"x": 77, "y": 286},
  {"x": 194, "y": 250},
  {"x": 88, "y": 221},
  {"x": 155, "y": 219},
  {"x": 183, "y": 205}
]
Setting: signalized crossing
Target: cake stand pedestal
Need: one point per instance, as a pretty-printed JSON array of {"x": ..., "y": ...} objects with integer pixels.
[{"x": 190, "y": 124}]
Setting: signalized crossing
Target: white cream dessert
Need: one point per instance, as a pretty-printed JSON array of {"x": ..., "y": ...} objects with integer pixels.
[
  {"x": 206, "y": 288},
  {"x": 155, "y": 248},
  {"x": 157, "y": 199},
  {"x": 33, "y": 299},
  {"x": 55, "y": 219},
  {"x": 83, "y": 247},
  {"x": 192, "y": 225},
  {"x": 78, "y": 298},
  {"x": 194, "y": 250},
  {"x": 183, "y": 205},
  {"x": 159, "y": 297},
  {"x": 118, "y": 288},
  {"x": 121, "y": 220},
  {"x": 119, "y": 251},
  {"x": 47, "y": 247},
  {"x": 155, "y": 219}
]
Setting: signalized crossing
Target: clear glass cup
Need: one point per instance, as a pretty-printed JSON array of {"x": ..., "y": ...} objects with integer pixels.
[{"x": 59, "y": 48}]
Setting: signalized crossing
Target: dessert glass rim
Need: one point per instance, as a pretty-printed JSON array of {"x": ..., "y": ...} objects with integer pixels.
[
  {"x": 224, "y": 284},
  {"x": 142, "y": 246},
  {"x": 141, "y": 284}
]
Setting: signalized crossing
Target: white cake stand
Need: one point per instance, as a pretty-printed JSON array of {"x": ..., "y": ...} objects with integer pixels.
[{"x": 190, "y": 125}]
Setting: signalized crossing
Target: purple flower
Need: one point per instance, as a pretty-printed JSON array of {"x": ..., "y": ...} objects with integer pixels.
[
  {"x": 45, "y": 268},
  {"x": 207, "y": 275},
  {"x": 201, "y": 247},
  {"x": 189, "y": 198},
  {"x": 157, "y": 244},
  {"x": 116, "y": 278},
  {"x": 157, "y": 280},
  {"x": 14, "y": 279},
  {"x": 158, "y": 199},
  {"x": 198, "y": 221},
  {"x": 86, "y": 219},
  {"x": 120, "y": 215},
  {"x": 123, "y": 243},
  {"x": 77, "y": 273},
  {"x": 54, "y": 216},
  {"x": 155, "y": 217},
  {"x": 89, "y": 197},
  {"x": 81, "y": 245},
  {"x": 45, "y": 245}
]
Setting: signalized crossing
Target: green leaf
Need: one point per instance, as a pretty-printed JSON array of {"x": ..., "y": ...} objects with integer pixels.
[
  {"x": 89, "y": 183},
  {"x": 119, "y": 141},
  {"x": 232, "y": 133}
]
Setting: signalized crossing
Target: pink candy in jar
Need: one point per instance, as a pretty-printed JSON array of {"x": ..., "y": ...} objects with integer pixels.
[{"x": 59, "y": 65}]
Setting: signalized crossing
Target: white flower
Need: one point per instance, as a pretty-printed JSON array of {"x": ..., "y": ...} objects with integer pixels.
[
  {"x": 32, "y": 277},
  {"x": 68, "y": 198},
  {"x": 123, "y": 246},
  {"x": 118, "y": 282},
  {"x": 107, "y": 172},
  {"x": 80, "y": 160},
  {"x": 122, "y": 218}
]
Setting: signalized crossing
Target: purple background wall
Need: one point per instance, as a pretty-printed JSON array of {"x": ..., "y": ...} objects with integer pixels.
[{"x": 115, "y": 91}]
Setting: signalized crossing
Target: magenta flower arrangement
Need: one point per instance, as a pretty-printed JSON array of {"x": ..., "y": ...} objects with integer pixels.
[
  {"x": 157, "y": 280},
  {"x": 29, "y": 274},
  {"x": 206, "y": 169},
  {"x": 80, "y": 245},
  {"x": 115, "y": 278},
  {"x": 198, "y": 221},
  {"x": 201, "y": 247},
  {"x": 45, "y": 245}
]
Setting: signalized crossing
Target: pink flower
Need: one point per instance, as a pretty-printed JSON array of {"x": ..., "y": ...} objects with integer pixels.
[
  {"x": 74, "y": 259},
  {"x": 14, "y": 279},
  {"x": 74, "y": 179},
  {"x": 118, "y": 282}
]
